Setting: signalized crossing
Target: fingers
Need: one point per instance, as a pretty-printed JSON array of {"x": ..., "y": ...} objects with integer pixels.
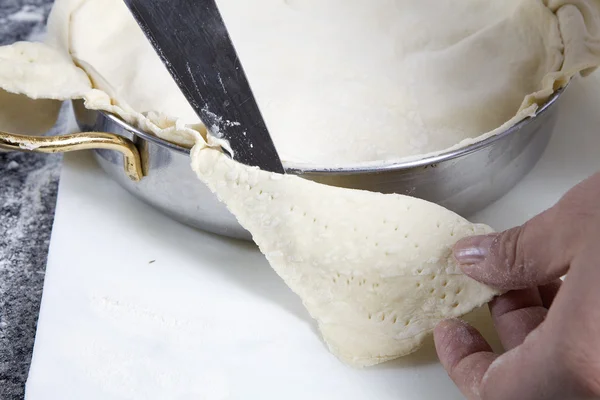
[
  {"x": 526, "y": 372},
  {"x": 574, "y": 321},
  {"x": 529, "y": 371},
  {"x": 516, "y": 314},
  {"x": 464, "y": 353},
  {"x": 523, "y": 257},
  {"x": 538, "y": 252}
]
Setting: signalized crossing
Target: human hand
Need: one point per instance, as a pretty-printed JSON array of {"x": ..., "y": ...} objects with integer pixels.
[{"x": 551, "y": 332}]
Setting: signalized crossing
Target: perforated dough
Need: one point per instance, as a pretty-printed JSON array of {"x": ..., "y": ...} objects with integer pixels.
[{"x": 374, "y": 270}]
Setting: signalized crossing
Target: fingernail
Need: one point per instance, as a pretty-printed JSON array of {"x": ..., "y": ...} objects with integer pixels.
[{"x": 473, "y": 250}]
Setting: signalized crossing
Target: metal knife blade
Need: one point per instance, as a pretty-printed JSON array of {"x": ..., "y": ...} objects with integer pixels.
[{"x": 191, "y": 39}]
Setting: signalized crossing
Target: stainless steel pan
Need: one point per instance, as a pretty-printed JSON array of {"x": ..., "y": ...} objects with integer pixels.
[{"x": 159, "y": 173}]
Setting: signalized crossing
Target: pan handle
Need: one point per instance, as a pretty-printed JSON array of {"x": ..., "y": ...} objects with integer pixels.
[{"x": 75, "y": 142}]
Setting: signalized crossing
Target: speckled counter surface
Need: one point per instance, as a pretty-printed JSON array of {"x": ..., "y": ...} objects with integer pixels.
[{"x": 28, "y": 187}]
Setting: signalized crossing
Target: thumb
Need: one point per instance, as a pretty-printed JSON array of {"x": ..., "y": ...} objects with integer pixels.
[{"x": 530, "y": 255}]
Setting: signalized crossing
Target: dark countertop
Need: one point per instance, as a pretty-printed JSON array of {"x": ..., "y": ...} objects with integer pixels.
[{"x": 28, "y": 188}]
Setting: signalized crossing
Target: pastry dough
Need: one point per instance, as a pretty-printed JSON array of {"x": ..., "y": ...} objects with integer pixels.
[
  {"x": 32, "y": 70},
  {"x": 338, "y": 82},
  {"x": 376, "y": 271},
  {"x": 396, "y": 79}
]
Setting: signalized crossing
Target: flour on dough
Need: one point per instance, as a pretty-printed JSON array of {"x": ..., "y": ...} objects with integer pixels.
[{"x": 376, "y": 271}]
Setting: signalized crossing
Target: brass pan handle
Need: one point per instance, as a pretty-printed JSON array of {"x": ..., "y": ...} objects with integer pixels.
[{"x": 75, "y": 142}]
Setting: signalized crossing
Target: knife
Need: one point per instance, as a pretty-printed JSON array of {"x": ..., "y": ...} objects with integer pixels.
[{"x": 191, "y": 39}]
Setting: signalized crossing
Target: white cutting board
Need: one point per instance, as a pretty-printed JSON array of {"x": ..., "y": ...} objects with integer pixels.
[{"x": 137, "y": 306}]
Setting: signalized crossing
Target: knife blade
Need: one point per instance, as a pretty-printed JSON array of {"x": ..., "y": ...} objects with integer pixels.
[{"x": 192, "y": 40}]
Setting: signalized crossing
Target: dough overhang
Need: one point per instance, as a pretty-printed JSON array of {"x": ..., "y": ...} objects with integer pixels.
[{"x": 374, "y": 270}]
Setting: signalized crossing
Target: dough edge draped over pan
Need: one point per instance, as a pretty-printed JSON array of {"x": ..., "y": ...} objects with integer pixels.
[{"x": 375, "y": 271}]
